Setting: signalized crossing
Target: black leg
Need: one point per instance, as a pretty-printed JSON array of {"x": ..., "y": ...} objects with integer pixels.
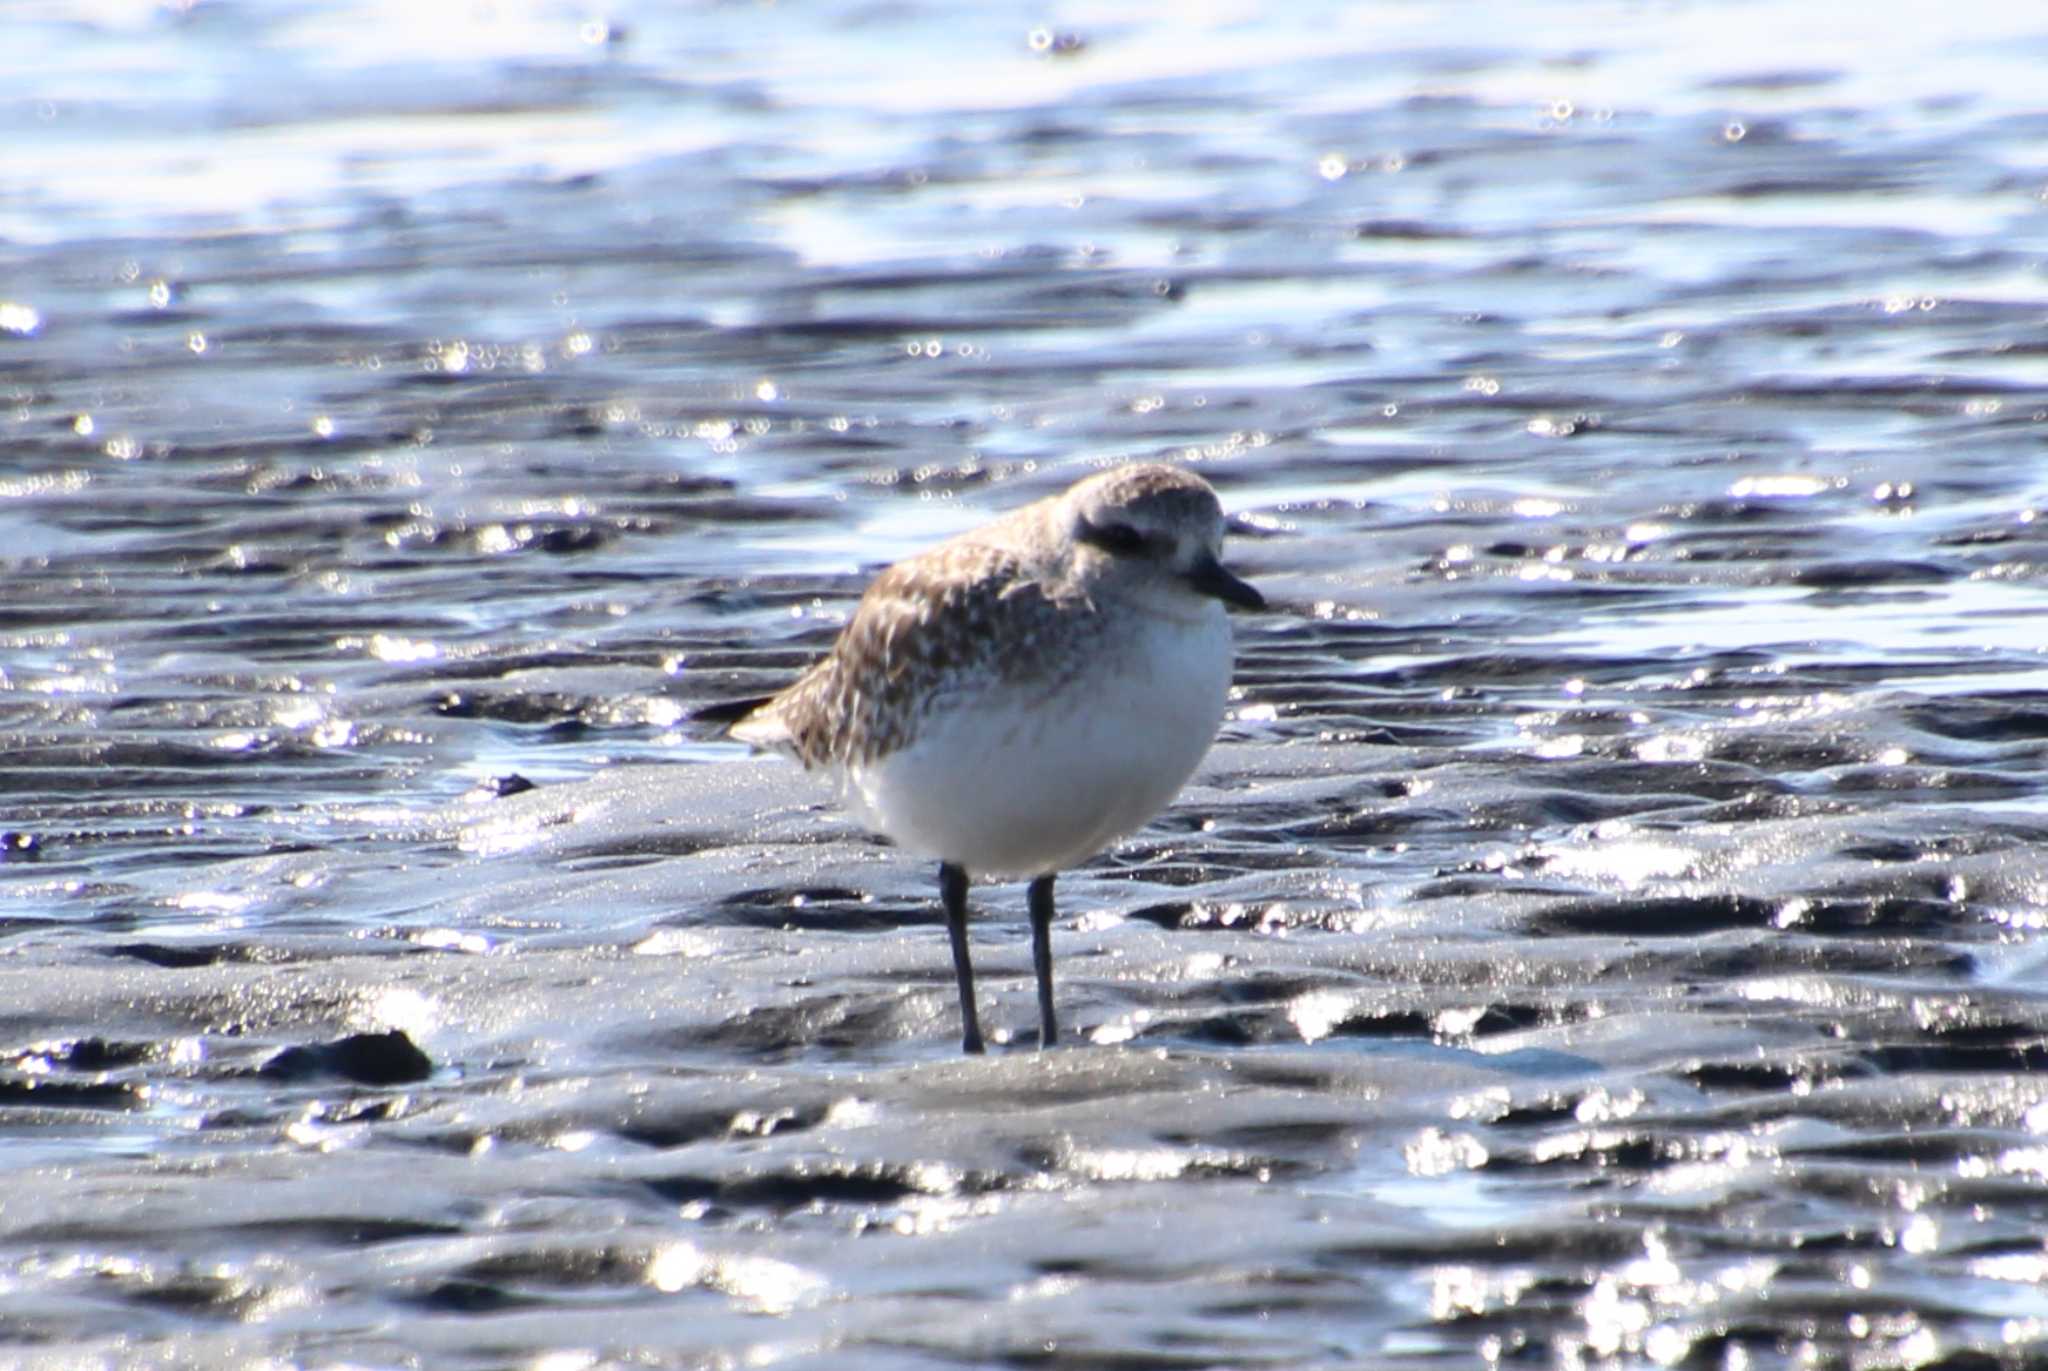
[
  {"x": 1040, "y": 897},
  {"x": 953, "y": 894}
]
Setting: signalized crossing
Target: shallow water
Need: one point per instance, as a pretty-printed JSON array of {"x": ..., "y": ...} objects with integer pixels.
[{"x": 1607, "y": 934}]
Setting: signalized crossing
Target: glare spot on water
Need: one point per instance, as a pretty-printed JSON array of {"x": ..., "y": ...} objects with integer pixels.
[
  {"x": 760, "y": 1284},
  {"x": 400, "y": 1008},
  {"x": 495, "y": 539},
  {"x": 674, "y": 942},
  {"x": 1132, "y": 1163},
  {"x": 333, "y": 733},
  {"x": 1458, "y": 1023},
  {"x": 1672, "y": 747},
  {"x": 1433, "y": 1152},
  {"x": 1601, "y": 1105},
  {"x": 393, "y": 647},
  {"x": 452, "y": 940},
  {"x": 1485, "y": 1105},
  {"x": 677, "y": 1267},
  {"x": 1462, "y": 1292},
  {"x": 924, "y": 1216},
  {"x": 1121, "y": 1030},
  {"x": 1315, "y": 1015},
  {"x": 1666, "y": 1345},
  {"x": 1627, "y": 861},
  {"x": 1783, "y": 487},
  {"x": 2024, "y": 1268},
  {"x": 1920, "y": 1236},
  {"x": 211, "y": 902},
  {"x": 1998, "y": 615},
  {"x": 569, "y": 1359},
  {"x": 1615, "y": 1321},
  {"x": 851, "y": 1111},
  {"x": 1055, "y": 1286},
  {"x": 500, "y": 837}
]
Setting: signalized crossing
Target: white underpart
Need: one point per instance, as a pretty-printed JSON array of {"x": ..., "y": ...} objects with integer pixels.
[{"x": 1011, "y": 781}]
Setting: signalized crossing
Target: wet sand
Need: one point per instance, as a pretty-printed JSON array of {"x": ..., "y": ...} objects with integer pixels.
[{"x": 1607, "y": 933}]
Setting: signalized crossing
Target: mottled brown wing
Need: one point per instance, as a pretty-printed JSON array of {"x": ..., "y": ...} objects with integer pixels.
[{"x": 956, "y": 611}]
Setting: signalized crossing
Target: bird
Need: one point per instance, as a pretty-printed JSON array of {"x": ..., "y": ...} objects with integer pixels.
[{"x": 1014, "y": 700}]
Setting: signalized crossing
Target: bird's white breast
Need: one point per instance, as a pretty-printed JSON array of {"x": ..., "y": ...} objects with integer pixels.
[{"x": 1007, "y": 779}]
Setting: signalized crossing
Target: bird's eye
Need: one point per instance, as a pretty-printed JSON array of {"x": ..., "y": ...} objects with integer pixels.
[{"x": 1118, "y": 540}]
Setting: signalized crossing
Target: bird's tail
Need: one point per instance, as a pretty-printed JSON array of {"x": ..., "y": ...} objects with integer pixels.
[{"x": 726, "y": 713}]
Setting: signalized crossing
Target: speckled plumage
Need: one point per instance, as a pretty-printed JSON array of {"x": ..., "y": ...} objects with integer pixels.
[
  {"x": 1009, "y": 601},
  {"x": 1019, "y": 697},
  {"x": 962, "y": 613}
]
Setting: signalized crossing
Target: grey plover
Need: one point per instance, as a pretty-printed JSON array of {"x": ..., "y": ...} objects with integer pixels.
[{"x": 1021, "y": 696}]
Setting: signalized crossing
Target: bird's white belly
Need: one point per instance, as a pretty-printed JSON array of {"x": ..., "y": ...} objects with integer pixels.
[{"x": 1009, "y": 781}]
